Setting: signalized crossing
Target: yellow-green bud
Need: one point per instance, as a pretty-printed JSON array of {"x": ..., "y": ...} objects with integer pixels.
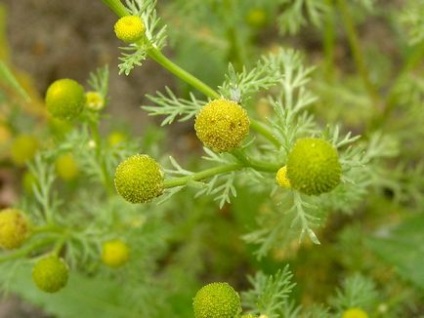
[
  {"x": 23, "y": 149},
  {"x": 313, "y": 166},
  {"x": 282, "y": 179},
  {"x": 115, "y": 253},
  {"x": 216, "y": 300},
  {"x": 65, "y": 99},
  {"x": 222, "y": 125},
  {"x": 14, "y": 228},
  {"x": 354, "y": 313},
  {"x": 50, "y": 274},
  {"x": 129, "y": 28},
  {"x": 139, "y": 179},
  {"x": 66, "y": 167},
  {"x": 94, "y": 100}
]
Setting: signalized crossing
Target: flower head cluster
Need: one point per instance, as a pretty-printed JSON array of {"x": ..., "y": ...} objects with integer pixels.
[
  {"x": 313, "y": 166},
  {"x": 14, "y": 228},
  {"x": 65, "y": 99},
  {"x": 50, "y": 274},
  {"x": 216, "y": 300},
  {"x": 139, "y": 179},
  {"x": 129, "y": 28},
  {"x": 222, "y": 125}
]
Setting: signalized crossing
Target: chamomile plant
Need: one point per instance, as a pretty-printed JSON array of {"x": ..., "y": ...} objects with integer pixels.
[{"x": 278, "y": 165}]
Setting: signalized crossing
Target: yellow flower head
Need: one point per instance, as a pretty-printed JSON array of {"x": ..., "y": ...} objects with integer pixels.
[
  {"x": 139, "y": 179},
  {"x": 216, "y": 300},
  {"x": 115, "y": 253},
  {"x": 313, "y": 166},
  {"x": 94, "y": 100},
  {"x": 282, "y": 179},
  {"x": 129, "y": 28},
  {"x": 222, "y": 125},
  {"x": 14, "y": 228},
  {"x": 354, "y": 313}
]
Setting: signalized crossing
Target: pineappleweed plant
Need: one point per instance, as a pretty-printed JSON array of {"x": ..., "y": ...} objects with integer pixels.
[{"x": 306, "y": 169}]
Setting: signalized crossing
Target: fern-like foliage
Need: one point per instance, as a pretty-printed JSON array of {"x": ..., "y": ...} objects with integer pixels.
[
  {"x": 170, "y": 106},
  {"x": 298, "y": 13},
  {"x": 155, "y": 35},
  {"x": 269, "y": 295}
]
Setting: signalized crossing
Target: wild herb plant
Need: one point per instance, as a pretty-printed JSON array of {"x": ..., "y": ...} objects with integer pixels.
[{"x": 292, "y": 150}]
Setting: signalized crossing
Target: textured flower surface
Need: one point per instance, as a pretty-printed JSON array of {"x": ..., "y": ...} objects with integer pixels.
[
  {"x": 354, "y": 313},
  {"x": 50, "y": 274},
  {"x": 139, "y": 179},
  {"x": 65, "y": 99},
  {"x": 313, "y": 166},
  {"x": 129, "y": 28},
  {"x": 14, "y": 228},
  {"x": 115, "y": 253},
  {"x": 216, "y": 300},
  {"x": 222, "y": 125}
]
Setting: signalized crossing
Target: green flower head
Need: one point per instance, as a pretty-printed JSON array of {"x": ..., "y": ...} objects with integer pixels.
[
  {"x": 139, "y": 179},
  {"x": 65, "y": 99},
  {"x": 313, "y": 166},
  {"x": 216, "y": 300},
  {"x": 50, "y": 274}
]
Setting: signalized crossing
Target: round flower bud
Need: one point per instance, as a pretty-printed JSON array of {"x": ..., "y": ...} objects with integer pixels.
[
  {"x": 313, "y": 166},
  {"x": 14, "y": 228},
  {"x": 23, "y": 149},
  {"x": 139, "y": 179},
  {"x": 222, "y": 125},
  {"x": 282, "y": 179},
  {"x": 129, "y": 28},
  {"x": 354, "y": 313},
  {"x": 66, "y": 167},
  {"x": 115, "y": 253},
  {"x": 94, "y": 101},
  {"x": 50, "y": 274},
  {"x": 216, "y": 300},
  {"x": 65, "y": 99}
]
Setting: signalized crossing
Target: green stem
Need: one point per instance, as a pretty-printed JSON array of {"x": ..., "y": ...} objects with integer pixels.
[
  {"x": 155, "y": 54},
  {"x": 187, "y": 77},
  {"x": 181, "y": 181},
  {"x": 259, "y": 128},
  {"x": 117, "y": 7},
  {"x": 358, "y": 56},
  {"x": 253, "y": 163}
]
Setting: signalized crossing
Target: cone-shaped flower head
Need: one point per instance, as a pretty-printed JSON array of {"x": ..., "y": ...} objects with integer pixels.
[
  {"x": 50, "y": 274},
  {"x": 129, "y": 28},
  {"x": 222, "y": 125},
  {"x": 313, "y": 166},
  {"x": 216, "y": 300},
  {"x": 14, "y": 228},
  {"x": 139, "y": 179},
  {"x": 65, "y": 99}
]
